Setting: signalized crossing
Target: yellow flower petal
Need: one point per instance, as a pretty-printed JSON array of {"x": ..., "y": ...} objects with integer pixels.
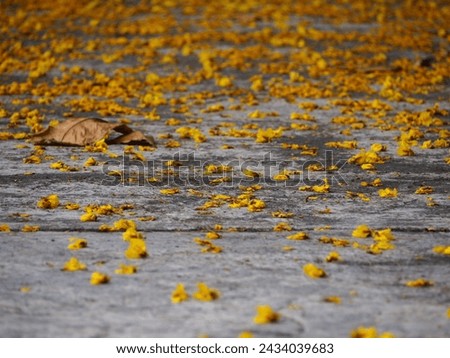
[
  {"x": 170, "y": 191},
  {"x": 77, "y": 243},
  {"x": 298, "y": 236},
  {"x": 265, "y": 314},
  {"x": 420, "y": 282},
  {"x": 313, "y": 271},
  {"x": 48, "y": 202},
  {"x": 205, "y": 293},
  {"x": 362, "y": 231},
  {"x": 98, "y": 278},
  {"x": 179, "y": 294},
  {"x": 137, "y": 249},
  {"x": 126, "y": 270},
  {"x": 74, "y": 265},
  {"x": 388, "y": 193}
]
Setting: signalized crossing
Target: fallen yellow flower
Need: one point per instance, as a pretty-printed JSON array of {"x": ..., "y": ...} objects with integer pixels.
[
  {"x": 88, "y": 217},
  {"x": 424, "y": 190},
  {"x": 443, "y": 250},
  {"x": 282, "y": 214},
  {"x": 246, "y": 334},
  {"x": 313, "y": 271},
  {"x": 179, "y": 294},
  {"x": 265, "y": 314},
  {"x": 98, "y": 278},
  {"x": 72, "y": 206},
  {"x": 91, "y": 161},
  {"x": 388, "y": 193},
  {"x": 369, "y": 332},
  {"x": 48, "y": 202},
  {"x": 77, "y": 243},
  {"x": 205, "y": 293},
  {"x": 170, "y": 191},
  {"x": 256, "y": 205},
  {"x": 420, "y": 282},
  {"x": 333, "y": 299},
  {"x": 333, "y": 256},
  {"x": 5, "y": 228},
  {"x": 212, "y": 235},
  {"x": 282, "y": 226},
  {"x": 131, "y": 233},
  {"x": 74, "y": 265},
  {"x": 362, "y": 231},
  {"x": 31, "y": 228},
  {"x": 126, "y": 270},
  {"x": 266, "y": 135},
  {"x": 137, "y": 249},
  {"x": 298, "y": 236},
  {"x": 346, "y": 144}
]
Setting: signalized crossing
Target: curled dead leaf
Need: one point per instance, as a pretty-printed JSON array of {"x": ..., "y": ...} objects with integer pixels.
[{"x": 87, "y": 131}]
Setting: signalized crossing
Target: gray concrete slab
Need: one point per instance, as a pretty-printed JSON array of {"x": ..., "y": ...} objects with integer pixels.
[{"x": 38, "y": 299}]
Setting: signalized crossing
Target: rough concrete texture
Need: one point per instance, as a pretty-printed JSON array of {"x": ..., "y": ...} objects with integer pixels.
[{"x": 257, "y": 265}]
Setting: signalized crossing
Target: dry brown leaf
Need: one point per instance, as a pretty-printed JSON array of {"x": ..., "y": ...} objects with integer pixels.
[{"x": 87, "y": 131}]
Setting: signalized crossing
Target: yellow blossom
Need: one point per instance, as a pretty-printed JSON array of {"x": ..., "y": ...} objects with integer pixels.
[
  {"x": 281, "y": 177},
  {"x": 256, "y": 205},
  {"x": 377, "y": 147},
  {"x": 420, "y": 282},
  {"x": 212, "y": 235},
  {"x": 324, "y": 188},
  {"x": 282, "y": 226},
  {"x": 126, "y": 270},
  {"x": 98, "y": 278},
  {"x": 30, "y": 228},
  {"x": 137, "y": 249},
  {"x": 170, "y": 191},
  {"x": 369, "y": 332},
  {"x": 131, "y": 233},
  {"x": 313, "y": 271},
  {"x": 298, "y": 236},
  {"x": 266, "y": 135},
  {"x": 91, "y": 161},
  {"x": 88, "y": 217},
  {"x": 192, "y": 133},
  {"x": 383, "y": 235},
  {"x": 404, "y": 150},
  {"x": 179, "y": 294},
  {"x": 347, "y": 144},
  {"x": 333, "y": 299},
  {"x": 333, "y": 256},
  {"x": 251, "y": 173},
  {"x": 368, "y": 166},
  {"x": 72, "y": 206},
  {"x": 74, "y": 265},
  {"x": 208, "y": 246},
  {"x": 282, "y": 214},
  {"x": 124, "y": 224},
  {"x": 362, "y": 231},
  {"x": 265, "y": 314},
  {"x": 224, "y": 81},
  {"x": 77, "y": 243},
  {"x": 5, "y": 228},
  {"x": 246, "y": 334},
  {"x": 376, "y": 182},
  {"x": 205, "y": 293},
  {"x": 388, "y": 193},
  {"x": 424, "y": 190},
  {"x": 443, "y": 250},
  {"x": 366, "y": 157},
  {"x": 287, "y": 248},
  {"x": 48, "y": 202}
]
